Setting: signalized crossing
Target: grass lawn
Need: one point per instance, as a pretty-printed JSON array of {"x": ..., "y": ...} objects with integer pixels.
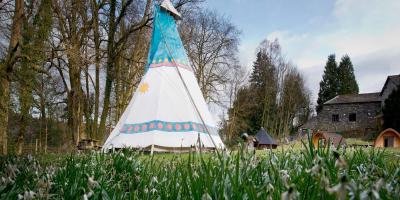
[{"x": 295, "y": 171}]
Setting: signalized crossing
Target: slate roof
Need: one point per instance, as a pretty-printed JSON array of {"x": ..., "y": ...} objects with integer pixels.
[
  {"x": 355, "y": 98},
  {"x": 263, "y": 137},
  {"x": 394, "y": 78}
]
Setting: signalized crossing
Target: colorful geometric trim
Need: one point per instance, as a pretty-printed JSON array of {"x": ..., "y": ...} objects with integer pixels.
[
  {"x": 166, "y": 126},
  {"x": 171, "y": 64}
]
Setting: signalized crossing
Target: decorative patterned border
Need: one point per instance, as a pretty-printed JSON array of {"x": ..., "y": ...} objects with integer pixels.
[
  {"x": 171, "y": 64},
  {"x": 166, "y": 126}
]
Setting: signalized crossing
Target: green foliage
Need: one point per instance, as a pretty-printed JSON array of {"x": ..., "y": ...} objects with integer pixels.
[
  {"x": 336, "y": 80},
  {"x": 244, "y": 113},
  {"x": 328, "y": 87},
  {"x": 275, "y": 96},
  {"x": 308, "y": 173},
  {"x": 247, "y": 110},
  {"x": 347, "y": 79},
  {"x": 391, "y": 110}
]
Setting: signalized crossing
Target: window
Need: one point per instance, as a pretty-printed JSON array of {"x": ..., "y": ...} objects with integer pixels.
[
  {"x": 352, "y": 117},
  {"x": 335, "y": 118}
]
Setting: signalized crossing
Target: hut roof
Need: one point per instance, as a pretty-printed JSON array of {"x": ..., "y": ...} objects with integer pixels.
[
  {"x": 355, "y": 98},
  {"x": 263, "y": 137},
  {"x": 334, "y": 137},
  {"x": 388, "y": 130}
]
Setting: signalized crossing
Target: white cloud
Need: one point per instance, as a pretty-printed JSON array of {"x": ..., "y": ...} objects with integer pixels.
[
  {"x": 366, "y": 12},
  {"x": 367, "y": 30}
]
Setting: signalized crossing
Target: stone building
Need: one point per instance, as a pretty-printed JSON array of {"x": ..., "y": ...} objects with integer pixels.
[
  {"x": 391, "y": 83},
  {"x": 353, "y": 114},
  {"x": 350, "y": 113}
]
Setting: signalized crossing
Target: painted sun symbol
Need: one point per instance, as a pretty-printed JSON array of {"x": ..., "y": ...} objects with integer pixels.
[{"x": 144, "y": 87}]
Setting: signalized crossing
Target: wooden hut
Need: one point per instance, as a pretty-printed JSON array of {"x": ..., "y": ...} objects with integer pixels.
[
  {"x": 388, "y": 138},
  {"x": 264, "y": 141},
  {"x": 324, "y": 137}
]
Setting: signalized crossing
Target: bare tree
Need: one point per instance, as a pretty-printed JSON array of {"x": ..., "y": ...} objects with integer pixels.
[{"x": 211, "y": 42}]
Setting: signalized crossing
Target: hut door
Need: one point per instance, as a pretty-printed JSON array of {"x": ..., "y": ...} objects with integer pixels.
[{"x": 389, "y": 141}]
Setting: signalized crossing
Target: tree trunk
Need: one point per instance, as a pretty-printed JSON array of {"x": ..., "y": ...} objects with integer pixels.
[
  {"x": 25, "y": 102},
  {"x": 6, "y": 70},
  {"x": 75, "y": 95},
  {"x": 87, "y": 106},
  {"x": 4, "y": 103},
  {"x": 110, "y": 70},
  {"x": 96, "y": 38},
  {"x": 43, "y": 121}
]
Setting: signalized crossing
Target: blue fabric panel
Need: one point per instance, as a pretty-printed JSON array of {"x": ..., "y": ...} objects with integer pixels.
[
  {"x": 166, "y": 43},
  {"x": 166, "y": 127}
]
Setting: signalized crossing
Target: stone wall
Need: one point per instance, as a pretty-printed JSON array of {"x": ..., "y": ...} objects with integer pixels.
[{"x": 366, "y": 122}]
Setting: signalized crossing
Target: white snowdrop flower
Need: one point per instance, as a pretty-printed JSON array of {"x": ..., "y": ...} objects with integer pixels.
[
  {"x": 270, "y": 187},
  {"x": 11, "y": 171},
  {"x": 379, "y": 184},
  {"x": 137, "y": 177},
  {"x": 146, "y": 190},
  {"x": 195, "y": 174},
  {"x": 389, "y": 187},
  {"x": 368, "y": 194},
  {"x": 314, "y": 170},
  {"x": 30, "y": 158},
  {"x": 20, "y": 196},
  {"x": 339, "y": 190},
  {"x": 153, "y": 190},
  {"x": 88, "y": 195},
  {"x": 92, "y": 183},
  {"x": 265, "y": 174},
  {"x": 290, "y": 194},
  {"x": 285, "y": 176},
  {"x": 154, "y": 179},
  {"x": 206, "y": 196},
  {"x": 28, "y": 195},
  {"x": 284, "y": 172},
  {"x": 341, "y": 163}
]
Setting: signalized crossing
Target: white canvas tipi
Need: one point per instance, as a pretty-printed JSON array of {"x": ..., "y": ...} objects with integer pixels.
[{"x": 168, "y": 111}]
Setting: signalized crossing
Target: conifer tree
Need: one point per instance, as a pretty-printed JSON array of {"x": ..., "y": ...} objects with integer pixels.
[
  {"x": 347, "y": 80},
  {"x": 328, "y": 87},
  {"x": 391, "y": 110}
]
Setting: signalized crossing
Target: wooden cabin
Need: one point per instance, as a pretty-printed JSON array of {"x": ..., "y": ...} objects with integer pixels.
[
  {"x": 323, "y": 138},
  {"x": 264, "y": 141},
  {"x": 388, "y": 138}
]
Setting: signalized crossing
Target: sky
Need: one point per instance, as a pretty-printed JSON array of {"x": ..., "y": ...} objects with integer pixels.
[{"x": 310, "y": 30}]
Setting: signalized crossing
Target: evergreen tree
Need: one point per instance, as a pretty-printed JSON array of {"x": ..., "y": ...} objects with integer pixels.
[
  {"x": 347, "y": 80},
  {"x": 259, "y": 80},
  {"x": 274, "y": 97},
  {"x": 391, "y": 110},
  {"x": 328, "y": 87}
]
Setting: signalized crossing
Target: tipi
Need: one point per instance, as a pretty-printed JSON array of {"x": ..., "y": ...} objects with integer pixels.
[{"x": 168, "y": 111}]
